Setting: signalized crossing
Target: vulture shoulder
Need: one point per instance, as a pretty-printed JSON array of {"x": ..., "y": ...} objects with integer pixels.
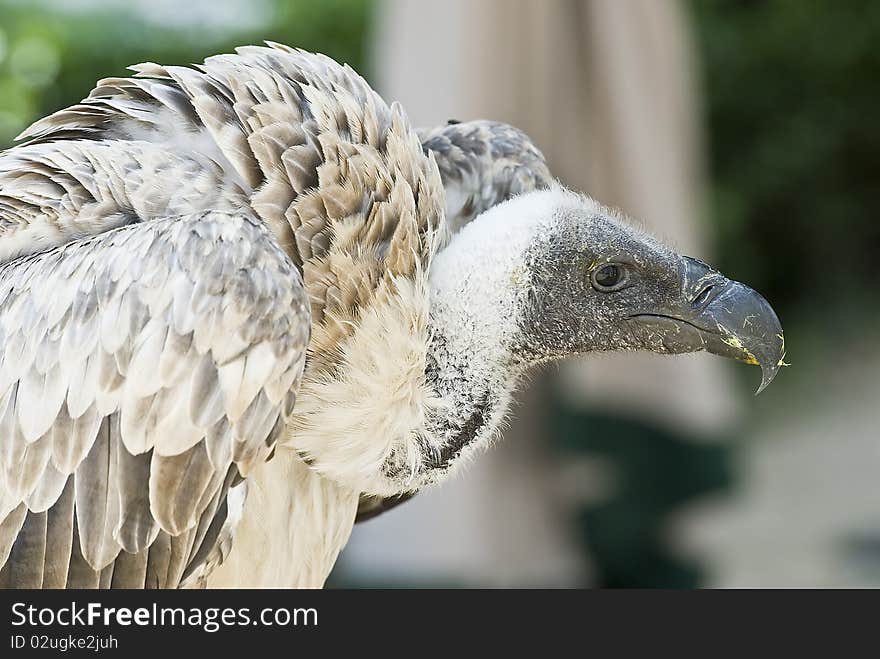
[
  {"x": 483, "y": 163},
  {"x": 172, "y": 249},
  {"x": 302, "y": 142}
]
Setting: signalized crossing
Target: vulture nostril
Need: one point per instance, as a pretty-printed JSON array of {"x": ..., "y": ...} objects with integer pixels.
[{"x": 702, "y": 297}]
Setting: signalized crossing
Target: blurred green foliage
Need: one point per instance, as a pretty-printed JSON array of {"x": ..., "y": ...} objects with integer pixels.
[
  {"x": 793, "y": 107},
  {"x": 656, "y": 471},
  {"x": 50, "y": 58}
]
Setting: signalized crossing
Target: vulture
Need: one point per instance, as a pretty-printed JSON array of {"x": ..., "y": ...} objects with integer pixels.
[{"x": 243, "y": 304}]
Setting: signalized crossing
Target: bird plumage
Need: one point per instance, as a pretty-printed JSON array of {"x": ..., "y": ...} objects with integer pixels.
[
  {"x": 146, "y": 370},
  {"x": 483, "y": 163},
  {"x": 106, "y": 196},
  {"x": 239, "y": 301}
]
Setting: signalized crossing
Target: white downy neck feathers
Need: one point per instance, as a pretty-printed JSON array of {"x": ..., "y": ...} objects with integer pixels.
[{"x": 479, "y": 287}]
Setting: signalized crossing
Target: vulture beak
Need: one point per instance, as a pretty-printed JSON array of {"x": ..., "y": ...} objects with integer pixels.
[{"x": 723, "y": 317}]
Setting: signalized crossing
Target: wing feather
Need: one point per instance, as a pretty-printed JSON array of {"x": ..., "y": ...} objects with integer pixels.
[
  {"x": 97, "y": 506},
  {"x": 9, "y": 528},
  {"x": 336, "y": 174},
  {"x": 116, "y": 472},
  {"x": 48, "y": 490},
  {"x": 157, "y": 564},
  {"x": 28, "y": 553},
  {"x": 136, "y": 527},
  {"x": 130, "y": 570},
  {"x": 483, "y": 163},
  {"x": 59, "y": 538}
]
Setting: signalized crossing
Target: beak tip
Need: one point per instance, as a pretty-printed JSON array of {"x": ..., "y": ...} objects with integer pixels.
[
  {"x": 770, "y": 367},
  {"x": 765, "y": 382}
]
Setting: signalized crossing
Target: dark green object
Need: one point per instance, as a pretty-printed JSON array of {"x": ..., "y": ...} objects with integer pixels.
[
  {"x": 791, "y": 93},
  {"x": 657, "y": 472}
]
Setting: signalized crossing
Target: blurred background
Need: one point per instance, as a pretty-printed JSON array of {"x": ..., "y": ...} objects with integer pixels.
[{"x": 743, "y": 132}]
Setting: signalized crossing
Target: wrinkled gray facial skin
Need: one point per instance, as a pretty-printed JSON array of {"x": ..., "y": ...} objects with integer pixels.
[{"x": 657, "y": 300}]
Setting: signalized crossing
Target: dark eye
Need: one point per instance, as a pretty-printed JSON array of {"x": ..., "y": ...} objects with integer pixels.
[{"x": 608, "y": 277}]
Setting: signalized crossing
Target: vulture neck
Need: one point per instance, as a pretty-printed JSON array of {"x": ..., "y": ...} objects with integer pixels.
[{"x": 479, "y": 288}]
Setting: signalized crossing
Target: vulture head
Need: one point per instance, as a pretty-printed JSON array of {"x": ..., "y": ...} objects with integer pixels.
[
  {"x": 552, "y": 274},
  {"x": 595, "y": 284},
  {"x": 277, "y": 280}
]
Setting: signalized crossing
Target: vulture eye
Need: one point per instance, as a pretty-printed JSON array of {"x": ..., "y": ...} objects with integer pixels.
[{"x": 608, "y": 277}]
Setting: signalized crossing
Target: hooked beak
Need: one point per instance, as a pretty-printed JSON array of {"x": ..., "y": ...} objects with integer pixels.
[{"x": 723, "y": 317}]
